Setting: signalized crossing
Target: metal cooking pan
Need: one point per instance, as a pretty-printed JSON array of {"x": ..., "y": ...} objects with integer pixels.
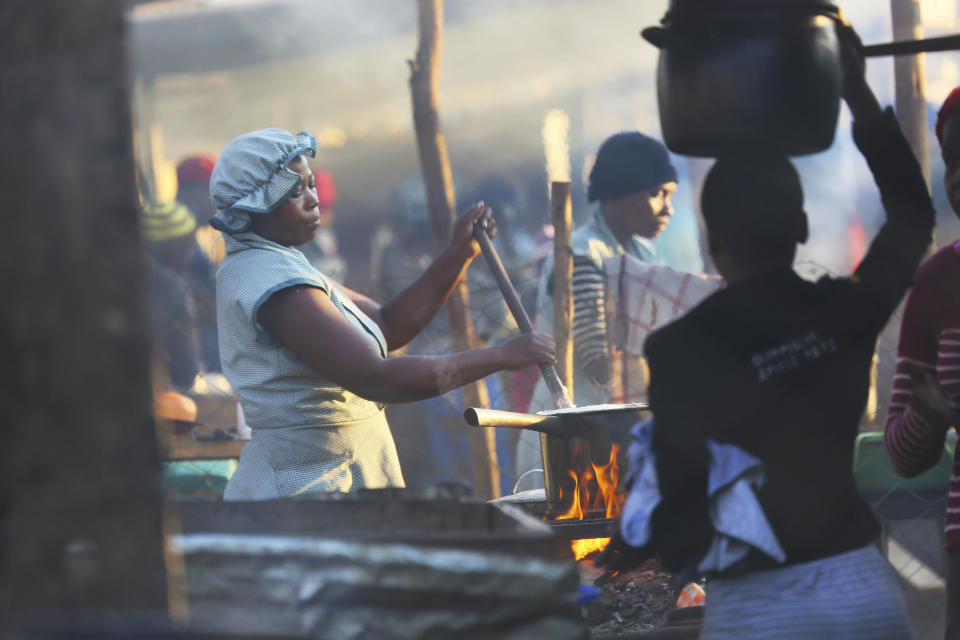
[
  {"x": 561, "y": 423},
  {"x": 576, "y": 438}
]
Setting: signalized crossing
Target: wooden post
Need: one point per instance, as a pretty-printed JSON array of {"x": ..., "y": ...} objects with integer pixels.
[
  {"x": 562, "y": 216},
  {"x": 911, "y": 106},
  {"x": 556, "y": 452},
  {"x": 438, "y": 181},
  {"x": 80, "y": 495},
  {"x": 910, "y": 79}
]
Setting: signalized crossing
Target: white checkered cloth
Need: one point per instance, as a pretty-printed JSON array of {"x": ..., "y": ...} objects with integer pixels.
[
  {"x": 645, "y": 297},
  {"x": 309, "y": 434}
]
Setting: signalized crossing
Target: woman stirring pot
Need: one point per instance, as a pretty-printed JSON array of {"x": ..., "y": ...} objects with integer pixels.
[{"x": 308, "y": 356}]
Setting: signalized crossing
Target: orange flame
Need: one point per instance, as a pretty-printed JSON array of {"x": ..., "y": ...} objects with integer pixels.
[
  {"x": 595, "y": 489},
  {"x": 584, "y": 547},
  {"x": 608, "y": 477},
  {"x": 575, "y": 511}
]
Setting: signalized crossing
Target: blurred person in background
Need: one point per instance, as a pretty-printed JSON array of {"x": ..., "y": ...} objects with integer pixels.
[
  {"x": 516, "y": 247},
  {"x": 401, "y": 248},
  {"x": 307, "y": 356},
  {"x": 323, "y": 251},
  {"x": 522, "y": 249},
  {"x": 503, "y": 197},
  {"x": 926, "y": 388},
  {"x": 168, "y": 230},
  {"x": 431, "y": 441},
  {"x": 193, "y": 190},
  {"x": 776, "y": 368}
]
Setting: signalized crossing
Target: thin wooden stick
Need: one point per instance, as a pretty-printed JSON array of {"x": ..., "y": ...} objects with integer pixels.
[{"x": 550, "y": 376}]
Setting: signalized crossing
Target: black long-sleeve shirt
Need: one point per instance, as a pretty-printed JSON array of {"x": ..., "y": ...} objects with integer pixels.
[{"x": 779, "y": 367}]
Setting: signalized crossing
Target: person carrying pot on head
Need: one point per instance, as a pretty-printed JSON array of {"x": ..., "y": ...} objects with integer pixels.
[
  {"x": 926, "y": 387},
  {"x": 307, "y": 356},
  {"x": 778, "y": 367}
]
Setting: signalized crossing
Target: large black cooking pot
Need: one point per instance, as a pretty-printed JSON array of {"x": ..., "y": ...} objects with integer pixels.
[
  {"x": 572, "y": 440},
  {"x": 748, "y": 75}
]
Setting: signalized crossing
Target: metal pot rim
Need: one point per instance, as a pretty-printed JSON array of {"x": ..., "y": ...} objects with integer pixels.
[
  {"x": 596, "y": 408},
  {"x": 815, "y": 6}
]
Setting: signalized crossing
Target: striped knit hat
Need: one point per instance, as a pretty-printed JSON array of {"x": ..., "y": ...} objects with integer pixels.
[{"x": 166, "y": 221}]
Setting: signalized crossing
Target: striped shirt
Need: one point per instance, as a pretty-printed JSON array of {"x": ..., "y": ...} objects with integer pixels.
[
  {"x": 930, "y": 340},
  {"x": 589, "y": 312}
]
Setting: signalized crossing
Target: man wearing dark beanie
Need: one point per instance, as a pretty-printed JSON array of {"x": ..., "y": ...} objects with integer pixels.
[{"x": 633, "y": 181}]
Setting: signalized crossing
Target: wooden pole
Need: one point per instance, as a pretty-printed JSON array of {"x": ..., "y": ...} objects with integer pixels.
[
  {"x": 910, "y": 79},
  {"x": 911, "y": 107},
  {"x": 556, "y": 452},
  {"x": 562, "y": 216},
  {"x": 438, "y": 182},
  {"x": 80, "y": 499}
]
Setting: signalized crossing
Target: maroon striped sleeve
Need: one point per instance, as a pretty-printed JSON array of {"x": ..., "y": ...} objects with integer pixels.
[
  {"x": 953, "y": 507},
  {"x": 929, "y": 339}
]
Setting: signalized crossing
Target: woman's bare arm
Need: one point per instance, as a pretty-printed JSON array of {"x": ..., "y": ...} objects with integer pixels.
[
  {"x": 305, "y": 320},
  {"x": 405, "y": 315}
]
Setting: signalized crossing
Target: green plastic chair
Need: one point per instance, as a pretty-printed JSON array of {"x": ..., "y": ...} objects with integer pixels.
[{"x": 875, "y": 475}]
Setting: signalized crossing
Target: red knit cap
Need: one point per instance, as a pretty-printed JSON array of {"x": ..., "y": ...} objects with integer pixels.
[
  {"x": 326, "y": 189},
  {"x": 950, "y": 107},
  {"x": 196, "y": 169}
]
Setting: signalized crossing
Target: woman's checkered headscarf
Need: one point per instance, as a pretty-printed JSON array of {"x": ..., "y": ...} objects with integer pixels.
[{"x": 251, "y": 176}]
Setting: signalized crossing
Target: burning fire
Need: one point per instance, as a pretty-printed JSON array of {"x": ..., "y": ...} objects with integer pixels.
[
  {"x": 583, "y": 548},
  {"x": 595, "y": 490}
]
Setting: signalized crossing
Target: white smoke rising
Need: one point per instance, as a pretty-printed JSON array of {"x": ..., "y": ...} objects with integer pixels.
[{"x": 556, "y": 145}]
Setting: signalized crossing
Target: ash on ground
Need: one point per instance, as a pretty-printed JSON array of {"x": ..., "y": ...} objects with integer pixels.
[{"x": 637, "y": 600}]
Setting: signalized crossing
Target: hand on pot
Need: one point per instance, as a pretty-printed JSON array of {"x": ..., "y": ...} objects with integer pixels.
[{"x": 855, "y": 91}]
